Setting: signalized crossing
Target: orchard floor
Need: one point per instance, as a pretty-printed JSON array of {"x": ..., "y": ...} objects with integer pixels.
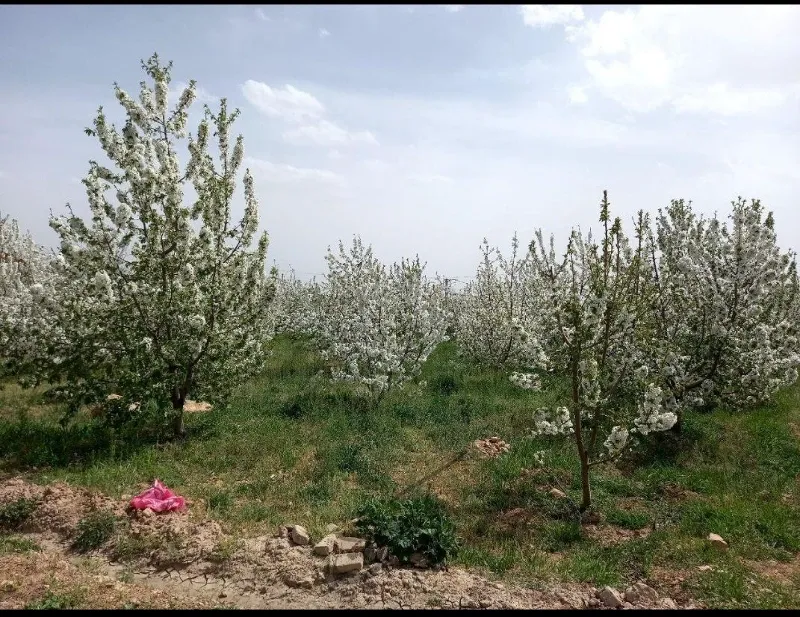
[{"x": 294, "y": 449}]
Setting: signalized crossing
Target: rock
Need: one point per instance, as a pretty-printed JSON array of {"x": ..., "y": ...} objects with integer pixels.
[
  {"x": 331, "y": 527},
  {"x": 298, "y": 578},
  {"x": 498, "y": 585},
  {"x": 222, "y": 594},
  {"x": 370, "y": 554},
  {"x": 467, "y": 602},
  {"x": 705, "y": 568},
  {"x": 382, "y": 554},
  {"x": 299, "y": 535},
  {"x": 375, "y": 569},
  {"x": 8, "y": 585},
  {"x": 350, "y": 545},
  {"x": 717, "y": 542},
  {"x": 627, "y": 605},
  {"x": 345, "y": 562},
  {"x": 558, "y": 494},
  {"x": 593, "y": 602},
  {"x": 325, "y": 546},
  {"x": 609, "y": 597},
  {"x": 641, "y": 593},
  {"x": 282, "y": 532},
  {"x": 418, "y": 560},
  {"x": 147, "y": 512},
  {"x": 667, "y": 603}
]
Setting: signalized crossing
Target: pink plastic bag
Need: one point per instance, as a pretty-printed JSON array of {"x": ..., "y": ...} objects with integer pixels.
[{"x": 159, "y": 499}]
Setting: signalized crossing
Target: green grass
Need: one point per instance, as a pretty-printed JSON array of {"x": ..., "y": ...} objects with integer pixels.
[{"x": 294, "y": 448}]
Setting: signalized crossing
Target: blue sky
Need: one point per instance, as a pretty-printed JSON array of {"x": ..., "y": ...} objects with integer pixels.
[{"x": 426, "y": 128}]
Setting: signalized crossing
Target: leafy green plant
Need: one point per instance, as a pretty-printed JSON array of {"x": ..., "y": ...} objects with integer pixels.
[
  {"x": 407, "y": 526},
  {"x": 54, "y": 601},
  {"x": 15, "y": 513},
  {"x": 94, "y": 530}
]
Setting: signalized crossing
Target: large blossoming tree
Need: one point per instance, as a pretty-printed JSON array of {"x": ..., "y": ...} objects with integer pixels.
[
  {"x": 725, "y": 308},
  {"x": 167, "y": 297}
]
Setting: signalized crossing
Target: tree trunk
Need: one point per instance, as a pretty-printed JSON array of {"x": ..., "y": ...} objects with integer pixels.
[
  {"x": 586, "y": 492},
  {"x": 178, "y": 399},
  {"x": 676, "y": 428}
]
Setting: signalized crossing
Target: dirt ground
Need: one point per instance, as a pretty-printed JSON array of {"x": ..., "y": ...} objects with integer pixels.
[{"x": 180, "y": 560}]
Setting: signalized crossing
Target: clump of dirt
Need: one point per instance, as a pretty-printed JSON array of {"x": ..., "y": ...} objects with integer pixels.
[
  {"x": 609, "y": 535},
  {"x": 190, "y": 406},
  {"x": 784, "y": 572},
  {"x": 60, "y": 506},
  {"x": 492, "y": 447},
  {"x": 49, "y": 578}
]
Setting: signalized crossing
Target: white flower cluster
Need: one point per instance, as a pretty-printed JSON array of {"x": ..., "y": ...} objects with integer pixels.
[
  {"x": 378, "y": 327},
  {"x": 552, "y": 422},
  {"x": 652, "y": 415},
  {"x": 527, "y": 381}
]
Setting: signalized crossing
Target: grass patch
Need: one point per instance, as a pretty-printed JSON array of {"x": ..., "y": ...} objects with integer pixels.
[
  {"x": 94, "y": 531},
  {"x": 293, "y": 448},
  {"x": 17, "y": 544}
]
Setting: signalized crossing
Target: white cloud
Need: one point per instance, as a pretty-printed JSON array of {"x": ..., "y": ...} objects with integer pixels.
[
  {"x": 544, "y": 15},
  {"x": 721, "y": 99},
  {"x": 262, "y": 15},
  {"x": 577, "y": 94},
  {"x": 2, "y": 174},
  {"x": 323, "y": 33},
  {"x": 326, "y": 133},
  {"x": 430, "y": 178},
  {"x": 287, "y": 103},
  {"x": 453, "y": 8},
  {"x": 283, "y": 173},
  {"x": 334, "y": 155},
  {"x": 726, "y": 60},
  {"x": 305, "y": 112}
]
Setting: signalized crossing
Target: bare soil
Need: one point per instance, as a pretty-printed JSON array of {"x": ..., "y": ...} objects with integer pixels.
[{"x": 183, "y": 560}]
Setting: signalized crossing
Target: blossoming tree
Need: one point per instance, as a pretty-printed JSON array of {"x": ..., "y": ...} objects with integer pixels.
[
  {"x": 597, "y": 304},
  {"x": 378, "y": 327},
  {"x": 725, "y": 308},
  {"x": 493, "y": 306},
  {"x": 27, "y": 276},
  {"x": 165, "y": 299}
]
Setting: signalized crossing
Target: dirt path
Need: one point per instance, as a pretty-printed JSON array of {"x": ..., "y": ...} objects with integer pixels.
[{"x": 182, "y": 561}]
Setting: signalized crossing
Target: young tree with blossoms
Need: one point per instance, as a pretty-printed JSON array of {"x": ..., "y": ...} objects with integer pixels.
[
  {"x": 597, "y": 304},
  {"x": 166, "y": 296},
  {"x": 378, "y": 327},
  {"x": 493, "y": 306}
]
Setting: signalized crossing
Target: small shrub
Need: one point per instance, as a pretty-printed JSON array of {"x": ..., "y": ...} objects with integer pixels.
[
  {"x": 416, "y": 525},
  {"x": 445, "y": 384},
  {"x": 220, "y": 502},
  {"x": 54, "y": 601},
  {"x": 15, "y": 513},
  {"x": 94, "y": 530}
]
